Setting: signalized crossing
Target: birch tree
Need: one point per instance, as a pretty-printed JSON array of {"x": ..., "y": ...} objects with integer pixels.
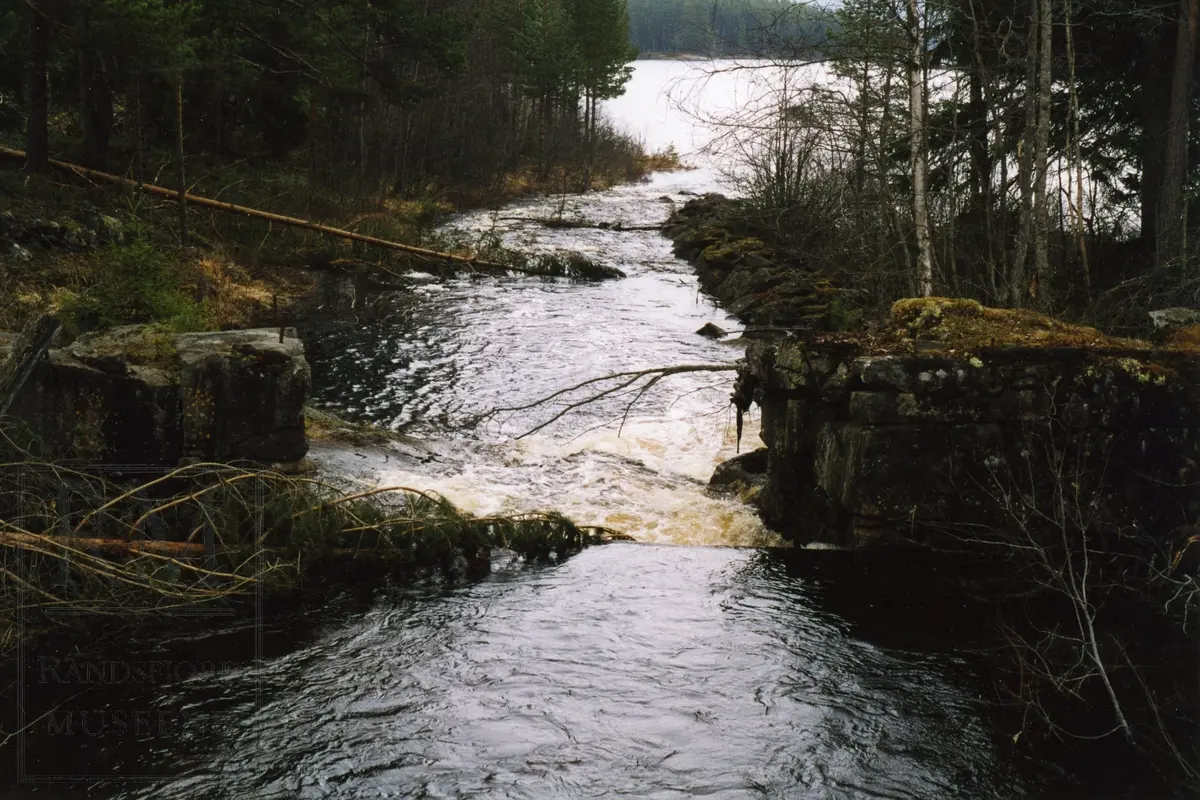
[
  {"x": 1172, "y": 215},
  {"x": 1018, "y": 289},
  {"x": 1041, "y": 220},
  {"x": 919, "y": 158}
]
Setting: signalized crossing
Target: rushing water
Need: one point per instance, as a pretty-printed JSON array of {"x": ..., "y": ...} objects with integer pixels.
[
  {"x": 449, "y": 350},
  {"x": 630, "y": 670}
]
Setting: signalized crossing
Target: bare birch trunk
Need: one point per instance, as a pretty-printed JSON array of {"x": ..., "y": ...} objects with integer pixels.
[
  {"x": 1075, "y": 162},
  {"x": 1041, "y": 220},
  {"x": 918, "y": 160},
  {"x": 1016, "y": 280}
]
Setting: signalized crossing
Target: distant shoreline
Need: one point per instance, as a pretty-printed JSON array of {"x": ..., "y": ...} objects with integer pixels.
[{"x": 675, "y": 57}]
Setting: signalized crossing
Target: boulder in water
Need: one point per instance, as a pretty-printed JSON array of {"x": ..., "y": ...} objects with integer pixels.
[
  {"x": 712, "y": 331},
  {"x": 741, "y": 474}
]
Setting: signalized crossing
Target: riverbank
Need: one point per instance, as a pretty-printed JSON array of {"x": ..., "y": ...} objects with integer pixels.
[
  {"x": 650, "y": 55},
  {"x": 61, "y": 237},
  {"x": 1062, "y": 457},
  {"x": 769, "y": 289}
]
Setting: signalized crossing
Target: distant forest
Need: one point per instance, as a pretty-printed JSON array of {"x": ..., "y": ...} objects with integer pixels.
[{"x": 725, "y": 27}]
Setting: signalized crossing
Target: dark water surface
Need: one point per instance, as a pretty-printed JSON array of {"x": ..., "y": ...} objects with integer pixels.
[{"x": 627, "y": 671}]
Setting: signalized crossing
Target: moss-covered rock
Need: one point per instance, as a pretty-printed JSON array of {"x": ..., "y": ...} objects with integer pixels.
[{"x": 968, "y": 325}]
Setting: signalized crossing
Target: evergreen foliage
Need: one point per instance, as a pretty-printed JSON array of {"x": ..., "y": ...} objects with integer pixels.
[
  {"x": 727, "y": 27},
  {"x": 377, "y": 97}
]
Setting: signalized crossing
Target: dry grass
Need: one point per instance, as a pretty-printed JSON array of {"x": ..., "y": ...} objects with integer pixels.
[
  {"x": 236, "y": 296},
  {"x": 667, "y": 160}
]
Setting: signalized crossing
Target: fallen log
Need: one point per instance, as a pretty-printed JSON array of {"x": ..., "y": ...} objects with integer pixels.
[
  {"x": 29, "y": 347},
  {"x": 106, "y": 547},
  {"x": 254, "y": 213},
  {"x": 128, "y": 548}
]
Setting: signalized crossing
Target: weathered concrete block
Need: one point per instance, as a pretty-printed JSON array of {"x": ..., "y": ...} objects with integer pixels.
[
  {"x": 138, "y": 395},
  {"x": 243, "y": 395},
  {"x": 876, "y": 433}
]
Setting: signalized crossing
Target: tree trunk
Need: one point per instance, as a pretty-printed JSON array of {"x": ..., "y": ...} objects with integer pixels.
[
  {"x": 1041, "y": 220},
  {"x": 981, "y": 156},
  {"x": 918, "y": 160},
  {"x": 1075, "y": 159},
  {"x": 180, "y": 169},
  {"x": 1155, "y": 94},
  {"x": 1017, "y": 283},
  {"x": 981, "y": 168},
  {"x": 1172, "y": 227},
  {"x": 139, "y": 158},
  {"x": 589, "y": 110},
  {"x": 95, "y": 101},
  {"x": 37, "y": 145}
]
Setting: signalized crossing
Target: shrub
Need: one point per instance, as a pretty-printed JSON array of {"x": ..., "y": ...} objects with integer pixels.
[{"x": 138, "y": 283}]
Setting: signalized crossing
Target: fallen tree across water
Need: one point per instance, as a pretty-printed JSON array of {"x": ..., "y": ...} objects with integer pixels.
[
  {"x": 550, "y": 265},
  {"x": 231, "y": 208}
]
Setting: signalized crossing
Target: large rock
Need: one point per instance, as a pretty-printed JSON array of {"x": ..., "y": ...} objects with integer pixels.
[
  {"x": 139, "y": 395},
  {"x": 741, "y": 474},
  {"x": 1174, "y": 318},
  {"x": 243, "y": 395},
  {"x": 932, "y": 425}
]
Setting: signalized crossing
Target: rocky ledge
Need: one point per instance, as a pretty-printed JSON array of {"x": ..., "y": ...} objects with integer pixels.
[
  {"x": 142, "y": 395},
  {"x": 20, "y": 236},
  {"x": 757, "y": 283},
  {"x": 955, "y": 416}
]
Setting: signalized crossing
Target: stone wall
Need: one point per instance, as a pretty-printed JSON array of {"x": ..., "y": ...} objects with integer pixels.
[
  {"x": 139, "y": 395},
  {"x": 757, "y": 283},
  {"x": 928, "y": 429}
]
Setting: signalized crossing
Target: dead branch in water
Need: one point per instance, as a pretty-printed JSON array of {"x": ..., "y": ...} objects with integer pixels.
[
  {"x": 559, "y": 222},
  {"x": 625, "y": 380}
]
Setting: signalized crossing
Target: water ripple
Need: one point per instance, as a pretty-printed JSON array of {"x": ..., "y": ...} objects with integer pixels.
[{"x": 627, "y": 671}]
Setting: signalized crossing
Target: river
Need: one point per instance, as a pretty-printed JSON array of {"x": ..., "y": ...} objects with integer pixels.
[
  {"x": 456, "y": 348},
  {"x": 701, "y": 661}
]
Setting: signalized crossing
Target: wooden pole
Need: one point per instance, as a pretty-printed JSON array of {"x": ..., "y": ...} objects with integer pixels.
[{"x": 125, "y": 548}]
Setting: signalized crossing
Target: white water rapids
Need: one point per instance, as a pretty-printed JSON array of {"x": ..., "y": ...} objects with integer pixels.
[{"x": 471, "y": 344}]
